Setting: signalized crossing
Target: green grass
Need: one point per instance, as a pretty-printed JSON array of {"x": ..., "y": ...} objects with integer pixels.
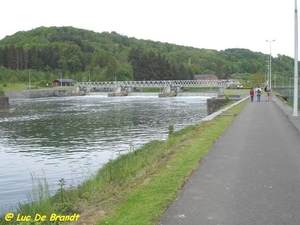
[
  {"x": 146, "y": 201},
  {"x": 22, "y": 86},
  {"x": 200, "y": 89},
  {"x": 135, "y": 188},
  {"x": 2, "y": 93},
  {"x": 235, "y": 91},
  {"x": 14, "y": 87}
]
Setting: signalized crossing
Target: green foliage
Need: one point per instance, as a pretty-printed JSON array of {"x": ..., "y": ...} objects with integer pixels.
[
  {"x": 45, "y": 50},
  {"x": 147, "y": 201},
  {"x": 171, "y": 130},
  {"x": 61, "y": 190},
  {"x": 134, "y": 188},
  {"x": 2, "y": 94},
  {"x": 256, "y": 79}
]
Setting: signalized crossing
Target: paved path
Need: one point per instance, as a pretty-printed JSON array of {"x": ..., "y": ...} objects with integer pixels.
[{"x": 251, "y": 176}]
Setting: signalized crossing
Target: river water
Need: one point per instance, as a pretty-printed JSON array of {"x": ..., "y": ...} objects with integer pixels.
[{"x": 73, "y": 137}]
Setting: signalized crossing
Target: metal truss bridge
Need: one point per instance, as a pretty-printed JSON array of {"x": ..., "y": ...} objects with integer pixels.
[{"x": 156, "y": 83}]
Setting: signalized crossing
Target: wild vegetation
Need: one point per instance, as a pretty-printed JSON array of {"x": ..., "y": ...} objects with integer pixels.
[
  {"x": 49, "y": 53},
  {"x": 156, "y": 172},
  {"x": 2, "y": 94},
  {"x": 136, "y": 187}
]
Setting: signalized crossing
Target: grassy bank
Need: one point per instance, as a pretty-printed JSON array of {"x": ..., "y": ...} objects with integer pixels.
[
  {"x": 14, "y": 87},
  {"x": 2, "y": 93},
  {"x": 152, "y": 191},
  {"x": 136, "y": 187}
]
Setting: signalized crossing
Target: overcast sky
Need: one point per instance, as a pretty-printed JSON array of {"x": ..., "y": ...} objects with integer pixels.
[{"x": 208, "y": 24}]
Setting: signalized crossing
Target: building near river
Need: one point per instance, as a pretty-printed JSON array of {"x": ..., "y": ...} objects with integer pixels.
[{"x": 62, "y": 82}]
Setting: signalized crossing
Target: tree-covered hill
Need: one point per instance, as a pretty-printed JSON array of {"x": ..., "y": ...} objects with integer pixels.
[{"x": 78, "y": 53}]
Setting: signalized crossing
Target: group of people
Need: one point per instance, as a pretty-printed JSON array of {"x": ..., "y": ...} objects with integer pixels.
[{"x": 257, "y": 91}]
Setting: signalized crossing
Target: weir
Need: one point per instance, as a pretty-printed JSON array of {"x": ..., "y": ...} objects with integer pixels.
[
  {"x": 171, "y": 87},
  {"x": 118, "y": 91},
  {"x": 169, "y": 91}
]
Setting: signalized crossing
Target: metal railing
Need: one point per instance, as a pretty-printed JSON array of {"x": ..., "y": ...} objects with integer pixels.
[{"x": 158, "y": 83}]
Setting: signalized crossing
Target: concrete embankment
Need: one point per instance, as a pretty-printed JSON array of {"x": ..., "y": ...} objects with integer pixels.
[
  {"x": 42, "y": 93},
  {"x": 4, "y": 103},
  {"x": 214, "y": 104}
]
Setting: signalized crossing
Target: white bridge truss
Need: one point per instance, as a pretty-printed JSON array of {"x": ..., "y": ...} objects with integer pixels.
[{"x": 158, "y": 83}]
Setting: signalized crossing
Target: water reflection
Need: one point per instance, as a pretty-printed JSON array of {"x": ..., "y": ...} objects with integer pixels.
[{"x": 71, "y": 138}]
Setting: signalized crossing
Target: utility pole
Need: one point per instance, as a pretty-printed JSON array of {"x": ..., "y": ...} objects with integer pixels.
[
  {"x": 270, "y": 60},
  {"x": 60, "y": 78},
  {"x": 295, "y": 109},
  {"x": 29, "y": 86}
]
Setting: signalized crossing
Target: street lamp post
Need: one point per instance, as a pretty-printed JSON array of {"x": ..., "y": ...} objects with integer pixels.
[
  {"x": 60, "y": 78},
  {"x": 29, "y": 81},
  {"x": 270, "y": 60},
  {"x": 267, "y": 73},
  {"x": 295, "y": 108},
  {"x": 89, "y": 76}
]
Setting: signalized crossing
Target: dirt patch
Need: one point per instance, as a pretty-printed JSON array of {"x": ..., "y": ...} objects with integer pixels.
[{"x": 90, "y": 215}]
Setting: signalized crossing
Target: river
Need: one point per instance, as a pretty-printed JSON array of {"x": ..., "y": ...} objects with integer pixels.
[{"x": 72, "y": 137}]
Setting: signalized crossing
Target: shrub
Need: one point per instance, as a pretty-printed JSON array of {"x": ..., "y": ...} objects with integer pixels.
[{"x": 2, "y": 93}]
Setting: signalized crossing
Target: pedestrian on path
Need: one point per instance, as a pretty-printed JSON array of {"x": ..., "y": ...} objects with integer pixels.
[
  {"x": 252, "y": 93},
  {"x": 258, "y": 93},
  {"x": 248, "y": 180},
  {"x": 268, "y": 92}
]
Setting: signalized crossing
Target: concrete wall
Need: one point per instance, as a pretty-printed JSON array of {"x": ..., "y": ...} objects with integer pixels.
[
  {"x": 42, "y": 93},
  {"x": 4, "y": 103},
  {"x": 214, "y": 104}
]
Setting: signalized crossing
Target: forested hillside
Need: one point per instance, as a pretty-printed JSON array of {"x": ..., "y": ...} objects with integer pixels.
[{"x": 82, "y": 54}]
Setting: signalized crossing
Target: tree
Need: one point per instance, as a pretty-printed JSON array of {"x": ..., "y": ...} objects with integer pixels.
[
  {"x": 63, "y": 63},
  {"x": 77, "y": 50},
  {"x": 74, "y": 64},
  {"x": 124, "y": 75},
  {"x": 256, "y": 79},
  {"x": 135, "y": 59}
]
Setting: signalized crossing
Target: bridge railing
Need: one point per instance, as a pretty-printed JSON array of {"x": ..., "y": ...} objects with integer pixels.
[{"x": 160, "y": 83}]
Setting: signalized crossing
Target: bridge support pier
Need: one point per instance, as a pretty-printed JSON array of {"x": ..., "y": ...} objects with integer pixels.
[
  {"x": 168, "y": 91},
  {"x": 118, "y": 91}
]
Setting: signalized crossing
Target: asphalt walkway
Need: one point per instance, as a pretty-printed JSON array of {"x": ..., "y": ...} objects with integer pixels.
[{"x": 251, "y": 176}]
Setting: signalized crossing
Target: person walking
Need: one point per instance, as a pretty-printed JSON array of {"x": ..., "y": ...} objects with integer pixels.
[
  {"x": 252, "y": 93},
  {"x": 268, "y": 92},
  {"x": 258, "y": 93}
]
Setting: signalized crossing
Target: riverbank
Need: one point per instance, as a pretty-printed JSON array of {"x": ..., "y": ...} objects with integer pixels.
[
  {"x": 72, "y": 137},
  {"x": 142, "y": 198},
  {"x": 4, "y": 103},
  {"x": 136, "y": 187},
  {"x": 44, "y": 93}
]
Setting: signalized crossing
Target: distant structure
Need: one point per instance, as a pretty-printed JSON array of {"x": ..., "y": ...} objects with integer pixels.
[
  {"x": 4, "y": 103},
  {"x": 205, "y": 77},
  {"x": 62, "y": 82}
]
